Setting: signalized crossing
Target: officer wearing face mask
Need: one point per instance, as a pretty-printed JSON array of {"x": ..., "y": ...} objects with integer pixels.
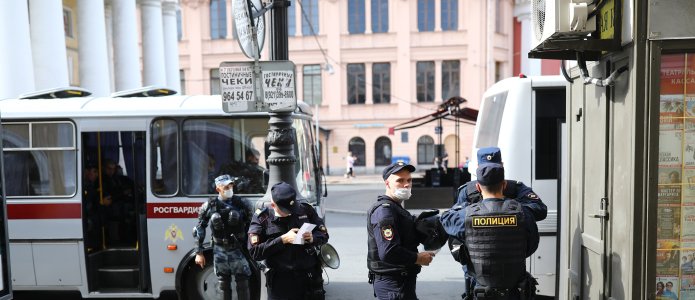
[
  {"x": 393, "y": 258},
  {"x": 228, "y": 216}
]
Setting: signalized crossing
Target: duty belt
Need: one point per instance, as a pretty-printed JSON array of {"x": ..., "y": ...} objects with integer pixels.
[
  {"x": 491, "y": 293},
  {"x": 224, "y": 242}
]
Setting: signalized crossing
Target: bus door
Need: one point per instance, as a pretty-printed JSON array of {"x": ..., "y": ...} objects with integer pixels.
[
  {"x": 114, "y": 211},
  {"x": 549, "y": 116},
  {"x": 5, "y": 287}
]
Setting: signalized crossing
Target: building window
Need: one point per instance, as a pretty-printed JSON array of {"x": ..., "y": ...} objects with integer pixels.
[
  {"x": 182, "y": 76},
  {"x": 218, "y": 19},
  {"x": 425, "y": 15},
  {"x": 356, "y": 83},
  {"x": 356, "y": 148},
  {"x": 425, "y": 81},
  {"x": 312, "y": 84},
  {"x": 499, "y": 17},
  {"x": 291, "y": 20},
  {"x": 67, "y": 22},
  {"x": 381, "y": 83},
  {"x": 450, "y": 9},
  {"x": 355, "y": 16},
  {"x": 179, "y": 25},
  {"x": 310, "y": 16},
  {"x": 214, "y": 81},
  {"x": 498, "y": 71},
  {"x": 382, "y": 151},
  {"x": 451, "y": 86},
  {"x": 380, "y": 16},
  {"x": 425, "y": 150}
]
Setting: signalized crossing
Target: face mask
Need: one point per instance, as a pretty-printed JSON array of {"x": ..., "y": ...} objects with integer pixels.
[
  {"x": 228, "y": 193},
  {"x": 402, "y": 193}
]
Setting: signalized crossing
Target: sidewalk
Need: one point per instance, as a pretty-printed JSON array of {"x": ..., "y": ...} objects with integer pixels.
[{"x": 360, "y": 179}]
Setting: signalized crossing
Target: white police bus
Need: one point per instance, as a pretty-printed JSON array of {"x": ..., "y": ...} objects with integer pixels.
[
  {"x": 75, "y": 226},
  {"x": 525, "y": 118}
]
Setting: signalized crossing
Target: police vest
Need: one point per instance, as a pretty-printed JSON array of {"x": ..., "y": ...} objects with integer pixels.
[
  {"x": 473, "y": 195},
  {"x": 233, "y": 218},
  {"x": 408, "y": 236},
  {"x": 496, "y": 238}
]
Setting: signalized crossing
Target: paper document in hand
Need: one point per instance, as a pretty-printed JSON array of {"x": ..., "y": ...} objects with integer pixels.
[{"x": 306, "y": 227}]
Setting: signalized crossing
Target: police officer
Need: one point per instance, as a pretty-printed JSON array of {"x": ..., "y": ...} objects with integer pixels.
[
  {"x": 393, "y": 258},
  {"x": 499, "y": 234},
  {"x": 228, "y": 216},
  {"x": 468, "y": 193},
  {"x": 295, "y": 270}
]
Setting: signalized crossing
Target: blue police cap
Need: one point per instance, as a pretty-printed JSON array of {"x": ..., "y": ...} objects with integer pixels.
[
  {"x": 285, "y": 197},
  {"x": 224, "y": 180},
  {"x": 490, "y": 174},
  {"x": 489, "y": 155},
  {"x": 395, "y": 167}
]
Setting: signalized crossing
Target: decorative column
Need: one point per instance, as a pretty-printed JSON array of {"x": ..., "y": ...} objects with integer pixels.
[
  {"x": 367, "y": 16},
  {"x": 108, "y": 16},
  {"x": 91, "y": 34},
  {"x": 171, "y": 44},
  {"x": 17, "y": 71},
  {"x": 522, "y": 11},
  {"x": 152, "y": 43},
  {"x": 48, "y": 44},
  {"x": 437, "y": 15},
  {"x": 125, "y": 46},
  {"x": 438, "y": 81}
]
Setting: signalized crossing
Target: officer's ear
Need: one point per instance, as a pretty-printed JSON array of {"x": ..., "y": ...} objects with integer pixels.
[{"x": 477, "y": 187}]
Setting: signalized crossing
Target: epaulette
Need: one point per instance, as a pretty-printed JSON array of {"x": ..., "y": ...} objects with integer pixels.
[
  {"x": 385, "y": 204},
  {"x": 457, "y": 207},
  {"x": 261, "y": 211},
  {"x": 262, "y": 214}
]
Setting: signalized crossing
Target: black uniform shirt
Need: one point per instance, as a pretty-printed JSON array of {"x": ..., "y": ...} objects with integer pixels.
[{"x": 265, "y": 242}]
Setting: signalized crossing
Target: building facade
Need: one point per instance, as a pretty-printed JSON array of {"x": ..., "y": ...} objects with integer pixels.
[
  {"x": 102, "y": 46},
  {"x": 368, "y": 65}
]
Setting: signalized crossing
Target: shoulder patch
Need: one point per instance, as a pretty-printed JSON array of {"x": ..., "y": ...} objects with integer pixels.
[
  {"x": 387, "y": 232},
  {"x": 532, "y": 196},
  {"x": 254, "y": 238},
  {"x": 386, "y": 204}
]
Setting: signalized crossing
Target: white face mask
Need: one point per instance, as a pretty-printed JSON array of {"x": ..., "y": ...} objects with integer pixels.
[
  {"x": 228, "y": 193},
  {"x": 402, "y": 193}
]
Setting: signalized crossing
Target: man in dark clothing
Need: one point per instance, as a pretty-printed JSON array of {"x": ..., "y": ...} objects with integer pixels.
[
  {"x": 393, "y": 259},
  {"x": 295, "y": 270},
  {"x": 499, "y": 234}
]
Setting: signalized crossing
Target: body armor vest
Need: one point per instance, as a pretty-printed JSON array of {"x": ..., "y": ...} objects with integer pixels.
[
  {"x": 232, "y": 219},
  {"x": 496, "y": 238},
  {"x": 406, "y": 229}
]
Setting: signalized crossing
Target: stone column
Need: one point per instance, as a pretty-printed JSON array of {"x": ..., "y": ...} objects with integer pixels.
[
  {"x": 17, "y": 71},
  {"x": 437, "y": 15},
  {"x": 48, "y": 44},
  {"x": 171, "y": 44},
  {"x": 522, "y": 11},
  {"x": 126, "y": 56},
  {"x": 152, "y": 43},
  {"x": 91, "y": 34},
  {"x": 108, "y": 16},
  {"x": 438, "y": 81},
  {"x": 367, "y": 16}
]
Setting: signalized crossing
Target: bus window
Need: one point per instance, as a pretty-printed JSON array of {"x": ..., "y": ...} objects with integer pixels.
[
  {"x": 490, "y": 120},
  {"x": 211, "y": 147},
  {"x": 165, "y": 156},
  {"x": 550, "y": 113},
  {"x": 305, "y": 166},
  {"x": 40, "y": 158}
]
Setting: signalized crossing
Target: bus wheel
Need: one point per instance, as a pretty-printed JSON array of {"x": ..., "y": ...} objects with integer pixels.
[{"x": 202, "y": 283}]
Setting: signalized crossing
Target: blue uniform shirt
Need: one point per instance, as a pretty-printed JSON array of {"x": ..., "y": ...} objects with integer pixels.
[{"x": 524, "y": 194}]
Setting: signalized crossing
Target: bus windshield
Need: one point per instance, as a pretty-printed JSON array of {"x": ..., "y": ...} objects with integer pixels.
[
  {"x": 490, "y": 120},
  {"x": 212, "y": 146}
]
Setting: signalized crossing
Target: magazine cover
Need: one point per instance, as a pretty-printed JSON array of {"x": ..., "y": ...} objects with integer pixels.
[
  {"x": 667, "y": 287},
  {"x": 667, "y": 262},
  {"x": 687, "y": 262},
  {"x": 671, "y": 148},
  {"x": 669, "y": 175},
  {"x": 668, "y": 223},
  {"x": 687, "y": 287},
  {"x": 669, "y": 194}
]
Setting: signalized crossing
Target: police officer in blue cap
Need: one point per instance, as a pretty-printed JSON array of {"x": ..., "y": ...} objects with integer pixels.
[
  {"x": 393, "y": 259},
  {"x": 499, "y": 233},
  {"x": 295, "y": 270},
  {"x": 228, "y": 216}
]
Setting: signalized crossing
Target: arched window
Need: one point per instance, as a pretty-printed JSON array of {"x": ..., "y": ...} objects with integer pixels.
[
  {"x": 425, "y": 150},
  {"x": 356, "y": 147},
  {"x": 382, "y": 151}
]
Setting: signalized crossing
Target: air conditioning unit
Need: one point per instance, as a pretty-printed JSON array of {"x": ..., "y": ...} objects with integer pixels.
[{"x": 561, "y": 19}]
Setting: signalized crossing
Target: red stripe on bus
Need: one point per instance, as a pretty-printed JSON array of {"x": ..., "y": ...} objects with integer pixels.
[
  {"x": 173, "y": 210},
  {"x": 44, "y": 211}
]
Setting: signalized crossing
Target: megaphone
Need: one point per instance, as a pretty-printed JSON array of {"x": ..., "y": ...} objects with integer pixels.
[{"x": 329, "y": 256}]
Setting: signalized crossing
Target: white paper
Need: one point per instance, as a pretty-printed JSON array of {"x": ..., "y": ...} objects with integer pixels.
[{"x": 306, "y": 227}]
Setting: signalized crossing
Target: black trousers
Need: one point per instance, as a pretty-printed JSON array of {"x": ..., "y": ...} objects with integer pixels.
[
  {"x": 388, "y": 287},
  {"x": 294, "y": 285}
]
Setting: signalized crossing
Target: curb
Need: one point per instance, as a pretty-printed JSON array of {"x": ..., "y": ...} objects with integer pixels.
[{"x": 345, "y": 211}]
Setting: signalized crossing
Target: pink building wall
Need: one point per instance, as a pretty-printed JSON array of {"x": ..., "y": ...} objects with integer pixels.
[{"x": 476, "y": 44}]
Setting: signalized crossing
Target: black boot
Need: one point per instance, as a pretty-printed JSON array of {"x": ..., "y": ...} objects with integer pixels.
[
  {"x": 225, "y": 289},
  {"x": 242, "y": 289}
]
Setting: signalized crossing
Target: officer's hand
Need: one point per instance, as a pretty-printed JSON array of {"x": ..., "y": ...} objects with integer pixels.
[
  {"x": 424, "y": 258},
  {"x": 288, "y": 237},
  {"x": 308, "y": 237},
  {"x": 200, "y": 260}
]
